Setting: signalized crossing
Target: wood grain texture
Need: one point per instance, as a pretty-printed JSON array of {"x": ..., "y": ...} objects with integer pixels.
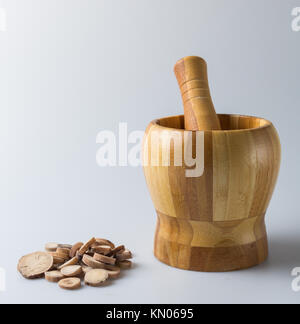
[
  {"x": 215, "y": 222},
  {"x": 199, "y": 111}
]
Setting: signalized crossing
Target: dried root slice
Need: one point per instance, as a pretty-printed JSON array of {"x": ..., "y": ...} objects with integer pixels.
[
  {"x": 64, "y": 251},
  {"x": 101, "y": 241},
  {"x": 75, "y": 248},
  {"x": 65, "y": 246},
  {"x": 65, "y": 257},
  {"x": 111, "y": 267},
  {"x": 96, "y": 277},
  {"x": 62, "y": 256},
  {"x": 86, "y": 269},
  {"x": 104, "y": 259},
  {"x": 114, "y": 274},
  {"x": 51, "y": 247},
  {"x": 70, "y": 283},
  {"x": 54, "y": 276},
  {"x": 73, "y": 261},
  {"x": 124, "y": 255},
  {"x": 91, "y": 262},
  {"x": 71, "y": 271},
  {"x": 116, "y": 250},
  {"x": 58, "y": 261},
  {"x": 34, "y": 265},
  {"x": 90, "y": 253},
  {"x": 125, "y": 264},
  {"x": 54, "y": 266},
  {"x": 102, "y": 249},
  {"x": 85, "y": 247}
]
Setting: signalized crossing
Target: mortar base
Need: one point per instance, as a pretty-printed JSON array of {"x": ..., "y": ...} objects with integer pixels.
[{"x": 218, "y": 259}]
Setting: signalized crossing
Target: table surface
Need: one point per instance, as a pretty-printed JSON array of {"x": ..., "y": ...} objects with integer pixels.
[{"x": 150, "y": 281}]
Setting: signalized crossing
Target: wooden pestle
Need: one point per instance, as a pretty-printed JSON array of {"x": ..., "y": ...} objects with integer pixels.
[{"x": 199, "y": 111}]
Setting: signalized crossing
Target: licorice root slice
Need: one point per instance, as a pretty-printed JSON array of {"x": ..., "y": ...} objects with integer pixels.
[
  {"x": 91, "y": 262},
  {"x": 63, "y": 251},
  {"x": 34, "y": 265},
  {"x": 102, "y": 241},
  {"x": 118, "y": 249},
  {"x": 70, "y": 283},
  {"x": 71, "y": 271},
  {"x": 51, "y": 247},
  {"x": 54, "y": 276},
  {"x": 86, "y": 246},
  {"x": 104, "y": 259},
  {"x": 96, "y": 277},
  {"x": 86, "y": 269},
  {"x": 62, "y": 256},
  {"x": 65, "y": 246},
  {"x": 114, "y": 274},
  {"x": 102, "y": 249},
  {"x": 73, "y": 261},
  {"x": 125, "y": 264},
  {"x": 75, "y": 248},
  {"x": 124, "y": 255}
]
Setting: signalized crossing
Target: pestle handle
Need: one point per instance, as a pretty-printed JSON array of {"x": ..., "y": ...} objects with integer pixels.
[{"x": 199, "y": 111}]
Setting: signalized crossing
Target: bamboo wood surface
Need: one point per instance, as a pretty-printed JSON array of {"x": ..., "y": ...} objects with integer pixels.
[
  {"x": 215, "y": 222},
  {"x": 199, "y": 111}
]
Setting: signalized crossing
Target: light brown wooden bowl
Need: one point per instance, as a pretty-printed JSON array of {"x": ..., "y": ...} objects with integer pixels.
[{"x": 215, "y": 222}]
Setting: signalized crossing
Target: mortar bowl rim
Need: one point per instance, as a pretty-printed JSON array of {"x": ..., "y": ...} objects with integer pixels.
[{"x": 159, "y": 122}]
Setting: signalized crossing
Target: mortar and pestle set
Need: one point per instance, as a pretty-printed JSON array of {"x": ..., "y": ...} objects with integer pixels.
[{"x": 214, "y": 222}]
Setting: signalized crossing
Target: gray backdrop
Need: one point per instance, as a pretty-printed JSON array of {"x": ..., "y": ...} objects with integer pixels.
[{"x": 71, "y": 68}]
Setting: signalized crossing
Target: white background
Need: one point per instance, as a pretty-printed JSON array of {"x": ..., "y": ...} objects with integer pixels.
[{"x": 71, "y": 68}]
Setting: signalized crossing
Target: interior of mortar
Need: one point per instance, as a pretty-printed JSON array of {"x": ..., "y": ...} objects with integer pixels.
[{"x": 228, "y": 122}]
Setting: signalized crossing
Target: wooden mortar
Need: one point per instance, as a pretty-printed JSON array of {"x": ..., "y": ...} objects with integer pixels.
[{"x": 214, "y": 222}]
